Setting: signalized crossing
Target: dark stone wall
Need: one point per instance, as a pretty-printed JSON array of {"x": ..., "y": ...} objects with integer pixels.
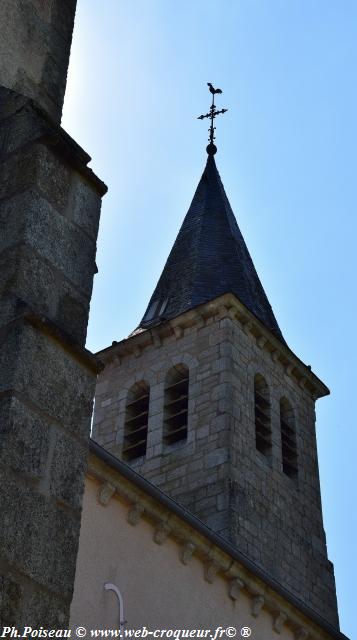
[
  {"x": 35, "y": 42},
  {"x": 49, "y": 214}
]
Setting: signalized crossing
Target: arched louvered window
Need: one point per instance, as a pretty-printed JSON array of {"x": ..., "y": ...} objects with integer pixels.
[
  {"x": 136, "y": 421},
  {"x": 262, "y": 415},
  {"x": 288, "y": 438},
  {"x": 176, "y": 404}
]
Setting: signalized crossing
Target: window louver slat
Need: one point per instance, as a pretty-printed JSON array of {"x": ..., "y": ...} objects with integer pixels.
[
  {"x": 136, "y": 422},
  {"x": 262, "y": 415},
  {"x": 176, "y": 405},
  {"x": 288, "y": 439}
]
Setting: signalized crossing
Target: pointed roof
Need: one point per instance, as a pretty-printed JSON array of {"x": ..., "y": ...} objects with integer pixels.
[{"x": 209, "y": 258}]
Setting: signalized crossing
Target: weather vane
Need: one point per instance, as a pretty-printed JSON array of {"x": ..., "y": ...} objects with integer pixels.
[{"x": 211, "y": 147}]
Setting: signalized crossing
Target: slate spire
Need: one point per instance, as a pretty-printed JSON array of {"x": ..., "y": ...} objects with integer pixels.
[{"x": 209, "y": 258}]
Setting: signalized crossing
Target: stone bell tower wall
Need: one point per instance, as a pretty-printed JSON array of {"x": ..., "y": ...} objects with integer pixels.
[
  {"x": 277, "y": 519},
  {"x": 219, "y": 474},
  {"x": 195, "y": 471}
]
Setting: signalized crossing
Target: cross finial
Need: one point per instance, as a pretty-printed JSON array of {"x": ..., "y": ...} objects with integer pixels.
[{"x": 211, "y": 147}]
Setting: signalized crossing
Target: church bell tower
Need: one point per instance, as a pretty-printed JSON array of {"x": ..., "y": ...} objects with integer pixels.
[{"x": 207, "y": 401}]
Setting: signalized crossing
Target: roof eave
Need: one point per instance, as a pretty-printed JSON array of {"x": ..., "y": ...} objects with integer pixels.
[{"x": 229, "y": 305}]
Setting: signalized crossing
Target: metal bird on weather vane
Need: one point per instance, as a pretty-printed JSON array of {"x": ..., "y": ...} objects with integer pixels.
[
  {"x": 212, "y": 89},
  {"x": 211, "y": 147}
]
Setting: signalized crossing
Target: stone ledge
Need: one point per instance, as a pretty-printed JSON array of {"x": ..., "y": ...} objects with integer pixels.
[
  {"x": 23, "y": 122},
  {"x": 226, "y": 306},
  {"x": 49, "y": 328}
]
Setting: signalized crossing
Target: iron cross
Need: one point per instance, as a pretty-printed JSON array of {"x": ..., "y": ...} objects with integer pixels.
[{"x": 213, "y": 112}]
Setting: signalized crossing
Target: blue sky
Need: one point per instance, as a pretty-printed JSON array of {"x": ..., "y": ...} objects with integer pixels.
[{"x": 286, "y": 155}]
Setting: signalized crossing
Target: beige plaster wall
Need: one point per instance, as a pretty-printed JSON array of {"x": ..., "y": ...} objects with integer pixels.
[{"x": 158, "y": 590}]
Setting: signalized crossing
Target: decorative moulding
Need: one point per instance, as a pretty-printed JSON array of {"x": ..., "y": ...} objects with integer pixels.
[
  {"x": 187, "y": 552},
  {"x": 105, "y": 493},
  {"x": 224, "y": 306},
  {"x": 135, "y": 513}
]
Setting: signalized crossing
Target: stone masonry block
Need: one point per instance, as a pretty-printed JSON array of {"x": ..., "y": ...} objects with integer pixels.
[
  {"x": 216, "y": 458},
  {"x": 24, "y": 438},
  {"x": 39, "y": 169},
  {"x": 41, "y": 47},
  {"x": 11, "y": 594},
  {"x": 45, "y": 548},
  {"x": 27, "y": 217},
  {"x": 39, "y": 605},
  {"x": 23, "y": 357},
  {"x": 26, "y": 277},
  {"x": 21, "y": 603},
  {"x": 68, "y": 471}
]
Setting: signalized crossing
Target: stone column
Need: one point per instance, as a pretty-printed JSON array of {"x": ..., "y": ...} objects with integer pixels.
[{"x": 49, "y": 214}]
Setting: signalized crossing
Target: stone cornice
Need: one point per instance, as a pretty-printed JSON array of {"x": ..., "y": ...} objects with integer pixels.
[
  {"x": 191, "y": 541},
  {"x": 224, "y": 306},
  {"x": 23, "y": 122},
  {"x": 47, "y": 327}
]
